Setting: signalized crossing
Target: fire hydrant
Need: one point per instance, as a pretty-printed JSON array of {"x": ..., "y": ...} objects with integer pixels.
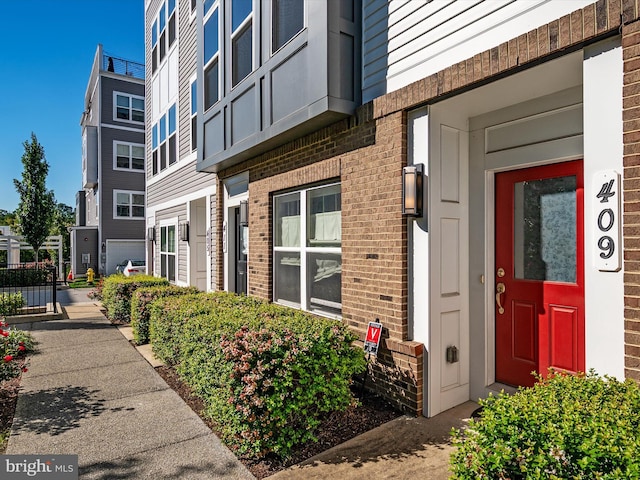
[{"x": 90, "y": 275}]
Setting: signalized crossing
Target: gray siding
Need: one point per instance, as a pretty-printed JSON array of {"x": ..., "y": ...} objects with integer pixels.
[
  {"x": 181, "y": 181},
  {"x": 91, "y": 198},
  {"x": 182, "y": 178},
  {"x": 150, "y": 15},
  {"x": 110, "y": 85},
  {"x": 85, "y": 240},
  {"x": 118, "y": 180},
  {"x": 311, "y": 81},
  {"x": 186, "y": 69},
  {"x": 405, "y": 40},
  {"x": 179, "y": 212}
]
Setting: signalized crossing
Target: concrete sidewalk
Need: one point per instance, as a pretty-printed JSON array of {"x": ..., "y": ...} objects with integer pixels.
[
  {"x": 89, "y": 392},
  {"x": 407, "y": 447}
]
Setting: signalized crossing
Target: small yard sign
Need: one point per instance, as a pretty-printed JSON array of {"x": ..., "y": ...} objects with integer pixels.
[{"x": 372, "y": 341}]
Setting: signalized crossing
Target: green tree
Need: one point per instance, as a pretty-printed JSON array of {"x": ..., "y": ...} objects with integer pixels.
[
  {"x": 7, "y": 218},
  {"x": 64, "y": 217},
  {"x": 36, "y": 208}
]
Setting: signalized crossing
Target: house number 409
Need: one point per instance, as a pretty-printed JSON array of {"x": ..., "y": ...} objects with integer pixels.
[{"x": 607, "y": 213}]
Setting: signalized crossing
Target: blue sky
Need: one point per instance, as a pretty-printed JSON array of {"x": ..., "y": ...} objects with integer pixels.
[{"x": 46, "y": 53}]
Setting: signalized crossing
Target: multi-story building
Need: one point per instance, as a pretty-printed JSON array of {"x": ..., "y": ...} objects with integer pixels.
[
  {"x": 465, "y": 172},
  {"x": 180, "y": 215},
  {"x": 110, "y": 208}
]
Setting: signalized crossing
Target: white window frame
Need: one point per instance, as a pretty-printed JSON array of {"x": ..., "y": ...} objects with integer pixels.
[
  {"x": 163, "y": 8},
  {"x": 157, "y": 162},
  {"x": 130, "y": 145},
  {"x": 193, "y": 8},
  {"x": 193, "y": 115},
  {"x": 131, "y": 97},
  {"x": 302, "y": 250},
  {"x": 234, "y": 34},
  {"x": 215, "y": 57},
  {"x": 130, "y": 216},
  {"x": 164, "y": 255}
]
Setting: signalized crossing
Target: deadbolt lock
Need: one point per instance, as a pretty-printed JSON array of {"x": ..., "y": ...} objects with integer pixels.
[{"x": 500, "y": 272}]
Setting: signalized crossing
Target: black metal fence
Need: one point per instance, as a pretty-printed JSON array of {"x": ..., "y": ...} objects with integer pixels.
[
  {"x": 122, "y": 66},
  {"x": 36, "y": 282}
]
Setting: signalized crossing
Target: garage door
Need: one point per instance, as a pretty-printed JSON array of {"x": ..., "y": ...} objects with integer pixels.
[{"x": 119, "y": 250}]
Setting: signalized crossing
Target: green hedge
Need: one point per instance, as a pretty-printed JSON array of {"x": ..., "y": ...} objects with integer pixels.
[
  {"x": 24, "y": 277},
  {"x": 140, "y": 311},
  {"x": 567, "y": 426},
  {"x": 268, "y": 374},
  {"x": 117, "y": 291},
  {"x": 11, "y": 303}
]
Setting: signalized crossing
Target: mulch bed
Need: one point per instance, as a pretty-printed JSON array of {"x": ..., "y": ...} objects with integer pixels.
[
  {"x": 339, "y": 427},
  {"x": 8, "y": 399}
]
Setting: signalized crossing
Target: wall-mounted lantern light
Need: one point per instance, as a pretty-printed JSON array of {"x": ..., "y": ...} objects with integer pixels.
[
  {"x": 412, "y": 181},
  {"x": 244, "y": 212},
  {"x": 183, "y": 231},
  {"x": 151, "y": 234}
]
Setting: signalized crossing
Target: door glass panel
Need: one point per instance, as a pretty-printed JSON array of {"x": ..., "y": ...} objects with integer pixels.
[
  {"x": 545, "y": 229},
  {"x": 244, "y": 243}
]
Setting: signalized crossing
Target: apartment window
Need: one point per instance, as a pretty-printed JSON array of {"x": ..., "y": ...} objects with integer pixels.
[
  {"x": 128, "y": 204},
  {"x": 211, "y": 55},
  {"x": 168, "y": 252},
  {"x": 288, "y": 19},
  {"x": 241, "y": 40},
  {"x": 164, "y": 141},
  {"x": 128, "y": 108},
  {"x": 307, "y": 252},
  {"x": 163, "y": 33},
  {"x": 128, "y": 156},
  {"x": 194, "y": 115}
]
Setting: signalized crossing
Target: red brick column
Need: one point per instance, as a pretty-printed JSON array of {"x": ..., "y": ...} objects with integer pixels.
[{"x": 631, "y": 217}]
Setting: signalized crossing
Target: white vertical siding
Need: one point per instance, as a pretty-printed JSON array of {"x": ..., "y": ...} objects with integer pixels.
[
  {"x": 603, "y": 150},
  {"x": 406, "y": 40}
]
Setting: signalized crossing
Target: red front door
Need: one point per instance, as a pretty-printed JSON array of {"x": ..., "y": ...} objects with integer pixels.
[{"x": 539, "y": 272}]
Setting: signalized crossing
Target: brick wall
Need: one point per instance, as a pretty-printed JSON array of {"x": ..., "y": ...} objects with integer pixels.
[
  {"x": 631, "y": 219},
  {"x": 367, "y": 152},
  {"x": 367, "y": 158}
]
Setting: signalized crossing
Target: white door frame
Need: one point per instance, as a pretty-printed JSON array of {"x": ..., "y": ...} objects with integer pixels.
[{"x": 236, "y": 190}]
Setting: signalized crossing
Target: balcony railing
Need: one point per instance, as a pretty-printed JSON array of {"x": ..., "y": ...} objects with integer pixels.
[{"x": 122, "y": 67}]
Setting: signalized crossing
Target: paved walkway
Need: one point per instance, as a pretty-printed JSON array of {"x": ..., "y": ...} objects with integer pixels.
[
  {"x": 89, "y": 392},
  {"x": 405, "y": 448}
]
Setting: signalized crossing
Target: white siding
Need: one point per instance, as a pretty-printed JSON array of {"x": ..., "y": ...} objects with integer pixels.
[{"x": 406, "y": 40}]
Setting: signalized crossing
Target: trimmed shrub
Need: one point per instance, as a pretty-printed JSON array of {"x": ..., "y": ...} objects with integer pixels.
[
  {"x": 566, "y": 426},
  {"x": 11, "y": 303},
  {"x": 268, "y": 374},
  {"x": 168, "y": 316},
  {"x": 24, "y": 276},
  {"x": 140, "y": 311},
  {"x": 117, "y": 291}
]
